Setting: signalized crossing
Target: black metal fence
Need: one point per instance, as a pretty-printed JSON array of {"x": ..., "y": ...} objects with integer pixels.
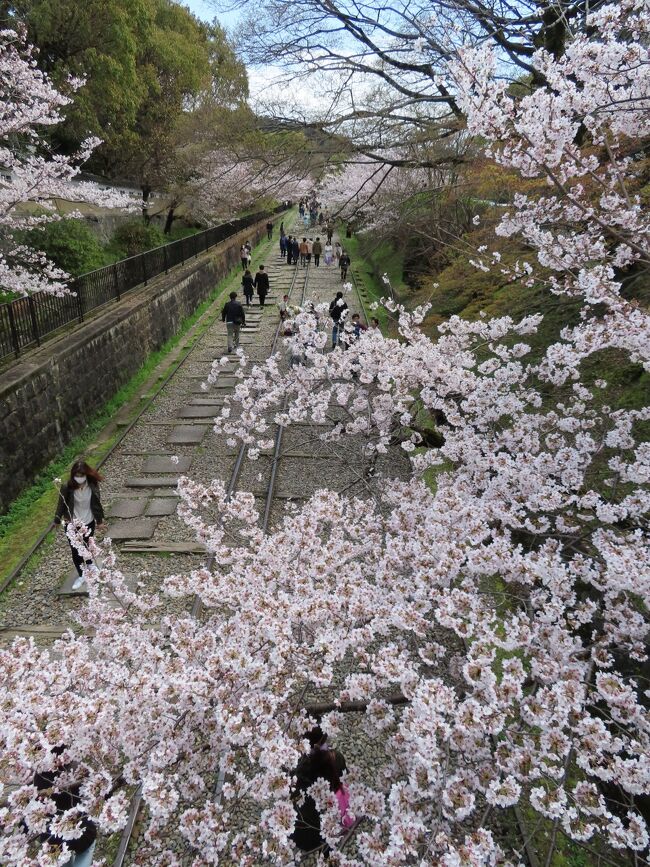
[{"x": 26, "y": 321}]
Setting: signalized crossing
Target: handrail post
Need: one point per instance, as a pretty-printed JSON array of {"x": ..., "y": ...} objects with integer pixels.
[
  {"x": 80, "y": 300},
  {"x": 12, "y": 327},
  {"x": 32, "y": 314},
  {"x": 116, "y": 282},
  {"x": 144, "y": 268}
]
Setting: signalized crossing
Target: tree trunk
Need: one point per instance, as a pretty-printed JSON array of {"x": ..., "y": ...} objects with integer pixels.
[
  {"x": 146, "y": 192},
  {"x": 170, "y": 219}
]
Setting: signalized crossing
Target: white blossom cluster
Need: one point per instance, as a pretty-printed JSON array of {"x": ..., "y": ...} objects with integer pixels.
[
  {"x": 502, "y": 589},
  {"x": 31, "y": 173}
]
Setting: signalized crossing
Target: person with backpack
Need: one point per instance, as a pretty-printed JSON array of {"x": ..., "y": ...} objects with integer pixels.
[
  {"x": 338, "y": 309},
  {"x": 261, "y": 282},
  {"x": 80, "y": 500},
  {"x": 234, "y": 317},
  {"x": 344, "y": 264},
  {"x": 317, "y": 249},
  {"x": 248, "y": 287}
]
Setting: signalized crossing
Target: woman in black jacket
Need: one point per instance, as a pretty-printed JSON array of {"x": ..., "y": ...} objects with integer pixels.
[
  {"x": 79, "y": 498},
  {"x": 247, "y": 283}
]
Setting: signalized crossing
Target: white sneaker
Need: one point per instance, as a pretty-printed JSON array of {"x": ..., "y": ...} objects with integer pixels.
[{"x": 78, "y": 582}]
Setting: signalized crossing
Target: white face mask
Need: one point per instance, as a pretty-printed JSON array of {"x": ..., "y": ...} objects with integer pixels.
[{"x": 80, "y": 480}]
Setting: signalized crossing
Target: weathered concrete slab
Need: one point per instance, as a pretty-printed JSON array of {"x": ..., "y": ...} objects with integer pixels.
[
  {"x": 217, "y": 401},
  {"x": 139, "y": 528},
  {"x": 153, "y": 482},
  {"x": 187, "y": 434},
  {"x": 127, "y": 508},
  {"x": 160, "y": 464},
  {"x": 163, "y": 548},
  {"x": 66, "y": 588},
  {"x": 160, "y": 506},
  {"x": 209, "y": 410}
]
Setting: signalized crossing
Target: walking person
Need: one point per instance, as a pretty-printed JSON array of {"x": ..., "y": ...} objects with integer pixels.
[
  {"x": 80, "y": 500},
  {"x": 322, "y": 762},
  {"x": 64, "y": 799},
  {"x": 303, "y": 252},
  {"x": 234, "y": 317},
  {"x": 283, "y": 307},
  {"x": 330, "y": 232},
  {"x": 248, "y": 287},
  {"x": 243, "y": 252},
  {"x": 249, "y": 254},
  {"x": 295, "y": 250},
  {"x": 310, "y": 245},
  {"x": 283, "y": 246},
  {"x": 282, "y": 227},
  {"x": 329, "y": 253},
  {"x": 344, "y": 264},
  {"x": 338, "y": 252},
  {"x": 338, "y": 309},
  {"x": 261, "y": 282},
  {"x": 289, "y": 247},
  {"x": 317, "y": 250},
  {"x": 269, "y": 230}
]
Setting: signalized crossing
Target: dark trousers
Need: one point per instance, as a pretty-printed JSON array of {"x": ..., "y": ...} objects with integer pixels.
[
  {"x": 269, "y": 233},
  {"x": 262, "y": 297},
  {"x": 77, "y": 559},
  {"x": 303, "y": 259},
  {"x": 249, "y": 298},
  {"x": 344, "y": 272},
  {"x": 244, "y": 263},
  {"x": 317, "y": 259}
]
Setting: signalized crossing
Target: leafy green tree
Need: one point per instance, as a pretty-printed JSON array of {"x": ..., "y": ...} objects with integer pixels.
[
  {"x": 99, "y": 41},
  {"x": 70, "y": 244},
  {"x": 135, "y": 237}
]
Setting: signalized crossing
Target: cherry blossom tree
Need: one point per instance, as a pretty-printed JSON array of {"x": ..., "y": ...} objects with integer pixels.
[
  {"x": 501, "y": 587},
  {"x": 226, "y": 182},
  {"x": 32, "y": 176}
]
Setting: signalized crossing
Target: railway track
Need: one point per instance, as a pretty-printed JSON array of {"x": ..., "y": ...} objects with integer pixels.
[
  {"x": 299, "y": 292},
  {"x": 298, "y": 286}
]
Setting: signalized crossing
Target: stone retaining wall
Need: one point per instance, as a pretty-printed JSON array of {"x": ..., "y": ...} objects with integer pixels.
[{"x": 47, "y": 397}]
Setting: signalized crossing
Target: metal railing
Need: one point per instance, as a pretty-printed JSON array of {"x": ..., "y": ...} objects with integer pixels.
[{"x": 25, "y": 322}]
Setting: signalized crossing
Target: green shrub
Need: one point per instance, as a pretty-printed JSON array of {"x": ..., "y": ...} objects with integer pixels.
[
  {"x": 70, "y": 244},
  {"x": 135, "y": 237}
]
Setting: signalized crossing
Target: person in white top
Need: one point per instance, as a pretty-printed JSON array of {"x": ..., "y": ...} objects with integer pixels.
[
  {"x": 329, "y": 253},
  {"x": 79, "y": 499}
]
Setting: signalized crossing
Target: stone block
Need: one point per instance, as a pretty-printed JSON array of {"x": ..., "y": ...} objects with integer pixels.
[
  {"x": 140, "y": 528},
  {"x": 164, "y": 464},
  {"x": 127, "y": 508},
  {"x": 187, "y": 434},
  {"x": 162, "y": 506},
  {"x": 202, "y": 411}
]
